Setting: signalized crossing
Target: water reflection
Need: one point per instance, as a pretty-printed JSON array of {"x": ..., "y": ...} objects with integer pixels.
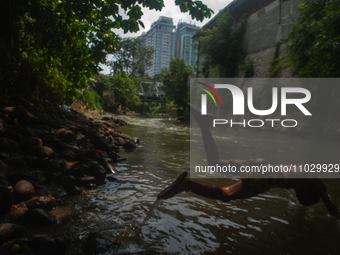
[{"x": 272, "y": 222}]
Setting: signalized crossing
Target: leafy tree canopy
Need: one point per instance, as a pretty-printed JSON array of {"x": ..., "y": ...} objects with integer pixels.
[
  {"x": 175, "y": 81},
  {"x": 222, "y": 45},
  {"x": 315, "y": 39},
  {"x": 132, "y": 57},
  {"x": 62, "y": 42}
]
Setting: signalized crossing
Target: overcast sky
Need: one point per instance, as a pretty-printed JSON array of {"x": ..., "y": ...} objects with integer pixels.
[{"x": 172, "y": 11}]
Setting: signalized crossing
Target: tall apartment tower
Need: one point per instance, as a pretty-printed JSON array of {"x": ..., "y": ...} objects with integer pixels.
[
  {"x": 163, "y": 38},
  {"x": 184, "y": 47}
]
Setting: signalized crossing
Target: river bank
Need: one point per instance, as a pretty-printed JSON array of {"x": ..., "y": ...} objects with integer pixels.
[{"x": 47, "y": 154}]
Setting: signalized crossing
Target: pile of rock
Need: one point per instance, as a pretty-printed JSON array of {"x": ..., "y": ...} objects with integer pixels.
[{"x": 46, "y": 154}]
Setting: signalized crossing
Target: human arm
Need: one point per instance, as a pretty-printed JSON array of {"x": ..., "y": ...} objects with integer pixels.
[{"x": 331, "y": 207}]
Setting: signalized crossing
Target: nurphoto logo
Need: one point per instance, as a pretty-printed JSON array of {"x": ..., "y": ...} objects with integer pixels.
[{"x": 238, "y": 107}]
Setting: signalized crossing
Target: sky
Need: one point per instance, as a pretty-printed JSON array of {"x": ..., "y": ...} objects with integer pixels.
[{"x": 172, "y": 11}]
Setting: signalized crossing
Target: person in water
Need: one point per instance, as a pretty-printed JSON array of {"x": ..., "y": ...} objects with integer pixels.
[{"x": 308, "y": 191}]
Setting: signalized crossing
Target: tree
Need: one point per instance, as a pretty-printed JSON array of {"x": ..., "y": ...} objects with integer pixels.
[
  {"x": 222, "y": 45},
  {"x": 175, "y": 81},
  {"x": 132, "y": 57},
  {"x": 56, "y": 46},
  {"x": 315, "y": 39},
  {"x": 115, "y": 91}
]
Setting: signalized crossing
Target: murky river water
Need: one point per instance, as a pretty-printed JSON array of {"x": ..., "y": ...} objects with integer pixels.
[{"x": 270, "y": 223}]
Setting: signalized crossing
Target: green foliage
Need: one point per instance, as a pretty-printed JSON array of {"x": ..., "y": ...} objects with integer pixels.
[
  {"x": 315, "y": 39},
  {"x": 175, "y": 81},
  {"x": 94, "y": 100},
  {"x": 222, "y": 45},
  {"x": 247, "y": 67},
  {"x": 132, "y": 57},
  {"x": 58, "y": 45},
  {"x": 115, "y": 91}
]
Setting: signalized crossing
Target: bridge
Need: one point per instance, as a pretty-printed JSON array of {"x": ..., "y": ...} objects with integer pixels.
[{"x": 151, "y": 97}]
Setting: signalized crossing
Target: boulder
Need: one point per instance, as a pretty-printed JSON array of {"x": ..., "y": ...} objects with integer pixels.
[
  {"x": 129, "y": 146},
  {"x": 12, "y": 135},
  {"x": 23, "y": 191},
  {"x": 66, "y": 135},
  {"x": 9, "y": 145},
  {"x": 98, "y": 243},
  {"x": 83, "y": 181},
  {"x": 73, "y": 191},
  {"x": 10, "y": 231},
  {"x": 100, "y": 143},
  {"x": 67, "y": 181},
  {"x": 30, "y": 143},
  {"x": 6, "y": 200},
  {"x": 38, "y": 216},
  {"x": 99, "y": 173},
  {"x": 16, "y": 162},
  {"x": 17, "y": 112},
  {"x": 44, "y": 152},
  {"x": 45, "y": 202},
  {"x": 14, "y": 178},
  {"x": 46, "y": 245},
  {"x": 67, "y": 155}
]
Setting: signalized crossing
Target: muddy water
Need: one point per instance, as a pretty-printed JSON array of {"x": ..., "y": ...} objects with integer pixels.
[{"x": 270, "y": 223}]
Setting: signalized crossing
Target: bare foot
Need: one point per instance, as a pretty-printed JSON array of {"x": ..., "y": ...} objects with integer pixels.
[{"x": 176, "y": 187}]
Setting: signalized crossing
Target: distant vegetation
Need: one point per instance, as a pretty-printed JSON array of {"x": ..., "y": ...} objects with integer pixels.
[{"x": 52, "y": 49}]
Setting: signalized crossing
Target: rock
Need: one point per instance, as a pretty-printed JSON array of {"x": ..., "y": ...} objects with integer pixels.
[
  {"x": 46, "y": 245},
  {"x": 10, "y": 231},
  {"x": 121, "y": 159},
  {"x": 17, "y": 163},
  {"x": 99, "y": 173},
  {"x": 113, "y": 156},
  {"x": 83, "y": 181},
  {"x": 45, "y": 202},
  {"x": 58, "y": 165},
  {"x": 97, "y": 243},
  {"x": 109, "y": 169},
  {"x": 3, "y": 127},
  {"x": 38, "y": 216},
  {"x": 52, "y": 141},
  {"x": 18, "y": 112},
  {"x": 13, "y": 135},
  {"x": 134, "y": 140},
  {"x": 111, "y": 178},
  {"x": 36, "y": 162},
  {"x": 30, "y": 143},
  {"x": 119, "y": 141},
  {"x": 129, "y": 146},
  {"x": 100, "y": 143},
  {"x": 9, "y": 145},
  {"x": 3, "y": 182},
  {"x": 68, "y": 155},
  {"x": 84, "y": 168},
  {"x": 15, "y": 246},
  {"x": 85, "y": 154},
  {"x": 53, "y": 176},
  {"x": 13, "y": 179},
  {"x": 44, "y": 152},
  {"x": 67, "y": 181},
  {"x": 73, "y": 190},
  {"x": 6, "y": 200},
  {"x": 66, "y": 135},
  {"x": 16, "y": 212},
  {"x": 23, "y": 191},
  {"x": 90, "y": 186}
]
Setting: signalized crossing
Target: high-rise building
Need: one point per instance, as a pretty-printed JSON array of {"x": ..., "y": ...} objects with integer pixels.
[
  {"x": 184, "y": 47},
  {"x": 162, "y": 37}
]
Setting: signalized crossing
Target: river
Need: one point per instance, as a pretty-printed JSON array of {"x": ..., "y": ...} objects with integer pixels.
[{"x": 270, "y": 223}]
